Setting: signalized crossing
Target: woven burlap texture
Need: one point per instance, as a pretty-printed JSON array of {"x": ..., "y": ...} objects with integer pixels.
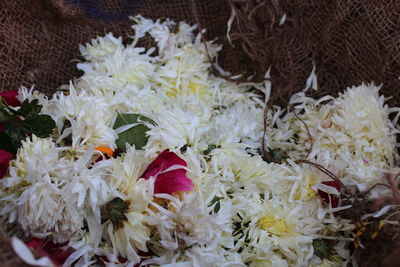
[
  {"x": 39, "y": 39},
  {"x": 348, "y": 41},
  {"x": 7, "y": 256}
]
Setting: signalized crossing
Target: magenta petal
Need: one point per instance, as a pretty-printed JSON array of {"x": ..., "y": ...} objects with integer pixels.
[
  {"x": 330, "y": 198},
  {"x": 153, "y": 169},
  {"x": 34, "y": 243},
  {"x": 11, "y": 98},
  {"x": 57, "y": 253},
  {"x": 171, "y": 182},
  {"x": 5, "y": 158},
  {"x": 165, "y": 160}
]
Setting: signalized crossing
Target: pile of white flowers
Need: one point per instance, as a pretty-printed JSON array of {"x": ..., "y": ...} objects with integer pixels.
[{"x": 75, "y": 189}]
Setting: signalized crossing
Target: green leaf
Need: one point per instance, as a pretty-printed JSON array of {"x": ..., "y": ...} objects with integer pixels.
[
  {"x": 30, "y": 109},
  {"x": 322, "y": 247},
  {"x": 39, "y": 125},
  {"x": 209, "y": 149},
  {"x": 16, "y": 129},
  {"x": 135, "y": 135},
  {"x": 7, "y": 144},
  {"x": 13, "y": 134}
]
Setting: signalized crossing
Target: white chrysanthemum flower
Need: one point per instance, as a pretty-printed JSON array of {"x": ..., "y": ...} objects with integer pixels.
[
  {"x": 132, "y": 234},
  {"x": 258, "y": 176},
  {"x": 351, "y": 135},
  {"x": 362, "y": 115},
  {"x": 184, "y": 62},
  {"x": 124, "y": 215},
  {"x": 243, "y": 120},
  {"x": 175, "y": 129},
  {"x": 187, "y": 233},
  {"x": 31, "y": 94},
  {"x": 304, "y": 180},
  {"x": 86, "y": 118},
  {"x": 279, "y": 231},
  {"x": 225, "y": 154},
  {"x": 123, "y": 68},
  {"x": 33, "y": 192},
  {"x": 184, "y": 72},
  {"x": 48, "y": 194},
  {"x": 100, "y": 47}
]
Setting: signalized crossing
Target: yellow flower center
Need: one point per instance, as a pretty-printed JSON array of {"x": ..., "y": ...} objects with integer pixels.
[
  {"x": 194, "y": 88},
  {"x": 278, "y": 227},
  {"x": 305, "y": 191}
]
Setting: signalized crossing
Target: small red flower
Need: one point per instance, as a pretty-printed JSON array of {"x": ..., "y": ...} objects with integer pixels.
[
  {"x": 330, "y": 198},
  {"x": 170, "y": 181},
  {"x": 11, "y": 98},
  {"x": 57, "y": 253},
  {"x": 5, "y": 158}
]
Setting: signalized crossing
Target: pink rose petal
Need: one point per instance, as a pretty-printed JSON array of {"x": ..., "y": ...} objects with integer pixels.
[
  {"x": 5, "y": 158},
  {"x": 57, "y": 253},
  {"x": 330, "y": 198},
  {"x": 170, "y": 181},
  {"x": 11, "y": 98}
]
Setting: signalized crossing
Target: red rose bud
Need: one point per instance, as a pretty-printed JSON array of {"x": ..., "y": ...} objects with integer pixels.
[
  {"x": 57, "y": 253},
  {"x": 11, "y": 98},
  {"x": 171, "y": 181},
  {"x": 330, "y": 198},
  {"x": 5, "y": 158}
]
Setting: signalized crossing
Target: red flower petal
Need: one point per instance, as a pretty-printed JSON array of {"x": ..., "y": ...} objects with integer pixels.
[
  {"x": 332, "y": 183},
  {"x": 57, "y": 253},
  {"x": 11, "y": 98},
  {"x": 330, "y": 198},
  {"x": 5, "y": 158},
  {"x": 34, "y": 243},
  {"x": 170, "y": 181},
  {"x": 165, "y": 160}
]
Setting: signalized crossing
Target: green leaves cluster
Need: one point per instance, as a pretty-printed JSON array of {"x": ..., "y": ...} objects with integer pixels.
[
  {"x": 322, "y": 247},
  {"x": 18, "y": 124},
  {"x": 135, "y": 135}
]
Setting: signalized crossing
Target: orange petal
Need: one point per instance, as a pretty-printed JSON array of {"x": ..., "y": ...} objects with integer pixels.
[{"x": 105, "y": 149}]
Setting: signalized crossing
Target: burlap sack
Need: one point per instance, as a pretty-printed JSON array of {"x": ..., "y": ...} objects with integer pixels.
[
  {"x": 348, "y": 41},
  {"x": 39, "y": 38}
]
